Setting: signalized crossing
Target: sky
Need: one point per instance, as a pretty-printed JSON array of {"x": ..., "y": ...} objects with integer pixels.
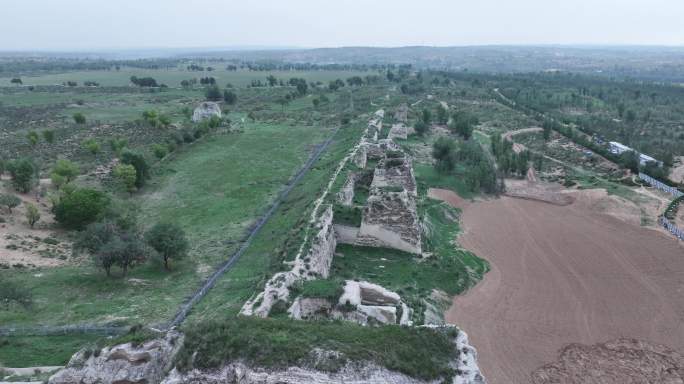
[{"x": 124, "y": 24}]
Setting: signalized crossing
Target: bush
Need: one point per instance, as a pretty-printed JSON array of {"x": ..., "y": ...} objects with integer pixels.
[
  {"x": 32, "y": 214},
  {"x": 91, "y": 145},
  {"x": 33, "y": 138},
  {"x": 168, "y": 240},
  {"x": 9, "y": 201},
  {"x": 126, "y": 175},
  {"x": 12, "y": 293},
  {"x": 23, "y": 173},
  {"x": 67, "y": 169},
  {"x": 159, "y": 150},
  {"x": 49, "y": 136},
  {"x": 213, "y": 93},
  {"x": 79, "y": 118},
  {"x": 80, "y": 207}
]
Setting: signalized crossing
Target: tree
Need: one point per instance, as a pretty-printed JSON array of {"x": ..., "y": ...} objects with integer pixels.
[
  {"x": 420, "y": 127},
  {"x": 142, "y": 169},
  {"x": 9, "y": 201},
  {"x": 118, "y": 144},
  {"x": 443, "y": 150},
  {"x": 229, "y": 97},
  {"x": 91, "y": 145},
  {"x": 49, "y": 136},
  {"x": 33, "y": 138},
  {"x": 213, "y": 93},
  {"x": 316, "y": 102},
  {"x": 66, "y": 169},
  {"x": 126, "y": 175},
  {"x": 272, "y": 81},
  {"x": 79, "y": 207},
  {"x": 168, "y": 240},
  {"x": 124, "y": 250},
  {"x": 32, "y": 214},
  {"x": 23, "y": 173},
  {"x": 426, "y": 116},
  {"x": 164, "y": 120},
  {"x": 79, "y": 118},
  {"x": 16, "y": 81}
]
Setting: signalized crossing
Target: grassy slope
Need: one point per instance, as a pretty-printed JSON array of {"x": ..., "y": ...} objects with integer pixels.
[
  {"x": 214, "y": 189},
  {"x": 33, "y": 351}
]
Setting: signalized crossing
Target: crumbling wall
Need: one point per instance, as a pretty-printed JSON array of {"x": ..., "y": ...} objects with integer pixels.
[
  {"x": 316, "y": 263},
  {"x": 346, "y": 195},
  {"x": 395, "y": 172},
  {"x": 390, "y": 219},
  {"x": 398, "y": 131}
]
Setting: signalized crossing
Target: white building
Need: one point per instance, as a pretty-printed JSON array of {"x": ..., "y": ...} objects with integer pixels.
[{"x": 618, "y": 148}]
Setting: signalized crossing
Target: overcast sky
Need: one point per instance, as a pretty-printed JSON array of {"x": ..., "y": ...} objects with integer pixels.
[{"x": 92, "y": 24}]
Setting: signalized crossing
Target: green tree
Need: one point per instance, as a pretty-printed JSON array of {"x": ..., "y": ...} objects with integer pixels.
[
  {"x": 23, "y": 173},
  {"x": 164, "y": 120},
  {"x": 33, "y": 138},
  {"x": 443, "y": 150},
  {"x": 126, "y": 175},
  {"x": 426, "y": 116},
  {"x": 229, "y": 97},
  {"x": 32, "y": 214},
  {"x": 79, "y": 207},
  {"x": 213, "y": 93},
  {"x": 67, "y": 169},
  {"x": 168, "y": 240},
  {"x": 9, "y": 201},
  {"x": 142, "y": 169},
  {"x": 16, "y": 81},
  {"x": 79, "y": 118},
  {"x": 49, "y": 136},
  {"x": 118, "y": 144},
  {"x": 442, "y": 114},
  {"x": 91, "y": 145},
  {"x": 420, "y": 127}
]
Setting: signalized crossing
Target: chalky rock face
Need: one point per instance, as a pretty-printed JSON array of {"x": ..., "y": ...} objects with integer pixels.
[
  {"x": 206, "y": 110},
  {"x": 398, "y": 131},
  {"x": 346, "y": 195},
  {"x": 401, "y": 114},
  {"x": 390, "y": 219},
  {"x": 239, "y": 373},
  {"x": 361, "y": 157},
  {"x": 122, "y": 364}
]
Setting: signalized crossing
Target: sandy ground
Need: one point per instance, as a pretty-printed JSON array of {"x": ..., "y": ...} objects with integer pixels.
[
  {"x": 677, "y": 172},
  {"x": 22, "y": 246},
  {"x": 562, "y": 275}
]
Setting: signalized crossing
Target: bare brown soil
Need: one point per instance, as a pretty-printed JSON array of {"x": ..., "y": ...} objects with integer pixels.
[
  {"x": 562, "y": 275},
  {"x": 616, "y": 362},
  {"x": 22, "y": 246}
]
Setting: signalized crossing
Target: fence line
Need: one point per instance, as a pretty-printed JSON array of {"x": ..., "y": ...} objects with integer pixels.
[
  {"x": 661, "y": 186},
  {"x": 671, "y": 227}
]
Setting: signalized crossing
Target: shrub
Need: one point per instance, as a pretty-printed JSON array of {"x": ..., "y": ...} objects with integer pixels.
[
  {"x": 33, "y": 138},
  {"x": 80, "y": 207},
  {"x": 32, "y": 214},
  {"x": 91, "y": 145},
  {"x": 159, "y": 150},
  {"x": 127, "y": 175},
  {"x": 49, "y": 136},
  {"x": 213, "y": 93},
  {"x": 79, "y": 118},
  {"x": 67, "y": 169},
  {"x": 12, "y": 293},
  {"x": 118, "y": 144}
]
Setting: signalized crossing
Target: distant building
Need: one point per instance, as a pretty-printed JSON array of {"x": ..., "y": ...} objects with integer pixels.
[{"x": 618, "y": 149}]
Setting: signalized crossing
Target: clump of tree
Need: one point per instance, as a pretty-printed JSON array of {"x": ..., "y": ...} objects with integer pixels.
[
  {"x": 126, "y": 175},
  {"x": 63, "y": 172},
  {"x": 49, "y": 136},
  {"x": 207, "y": 81},
  {"x": 213, "y": 93},
  {"x": 24, "y": 174},
  {"x": 110, "y": 245},
  {"x": 144, "y": 81},
  {"x": 16, "y": 81},
  {"x": 300, "y": 84},
  {"x": 78, "y": 207},
  {"x": 334, "y": 85},
  {"x": 463, "y": 124},
  {"x": 117, "y": 144},
  {"x": 476, "y": 169},
  {"x": 423, "y": 124},
  {"x": 168, "y": 240},
  {"x": 229, "y": 97},
  {"x": 142, "y": 168},
  {"x": 508, "y": 161}
]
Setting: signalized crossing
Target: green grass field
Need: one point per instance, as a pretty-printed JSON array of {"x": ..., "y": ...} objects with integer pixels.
[{"x": 214, "y": 189}]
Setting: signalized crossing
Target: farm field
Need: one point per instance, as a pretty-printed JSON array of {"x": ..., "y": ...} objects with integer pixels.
[{"x": 563, "y": 275}]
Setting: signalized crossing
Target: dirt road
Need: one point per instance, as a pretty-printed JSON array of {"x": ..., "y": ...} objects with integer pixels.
[{"x": 560, "y": 275}]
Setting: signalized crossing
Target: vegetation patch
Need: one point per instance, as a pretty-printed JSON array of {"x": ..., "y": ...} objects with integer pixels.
[{"x": 422, "y": 353}]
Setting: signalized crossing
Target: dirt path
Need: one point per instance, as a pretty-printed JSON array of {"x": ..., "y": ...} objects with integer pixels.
[{"x": 560, "y": 275}]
